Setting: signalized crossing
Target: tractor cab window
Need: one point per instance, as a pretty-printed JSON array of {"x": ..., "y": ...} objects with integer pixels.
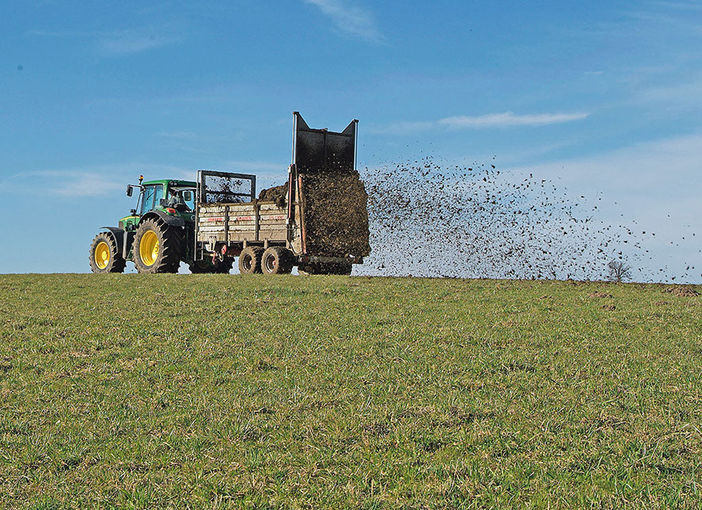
[
  {"x": 182, "y": 199},
  {"x": 151, "y": 197}
]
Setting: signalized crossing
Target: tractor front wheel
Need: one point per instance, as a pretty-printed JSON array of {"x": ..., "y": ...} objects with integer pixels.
[
  {"x": 157, "y": 247},
  {"x": 104, "y": 255}
]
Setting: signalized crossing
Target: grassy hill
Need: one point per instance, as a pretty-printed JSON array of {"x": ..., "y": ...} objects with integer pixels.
[{"x": 219, "y": 390}]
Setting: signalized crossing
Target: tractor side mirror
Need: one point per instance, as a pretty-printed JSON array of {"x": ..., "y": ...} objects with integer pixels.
[
  {"x": 188, "y": 196},
  {"x": 130, "y": 190}
]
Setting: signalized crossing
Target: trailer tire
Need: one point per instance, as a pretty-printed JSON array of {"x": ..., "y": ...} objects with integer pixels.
[
  {"x": 250, "y": 260},
  {"x": 157, "y": 247},
  {"x": 104, "y": 256},
  {"x": 277, "y": 260}
]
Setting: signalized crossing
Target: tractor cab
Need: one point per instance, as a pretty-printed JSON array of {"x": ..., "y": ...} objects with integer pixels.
[{"x": 168, "y": 196}]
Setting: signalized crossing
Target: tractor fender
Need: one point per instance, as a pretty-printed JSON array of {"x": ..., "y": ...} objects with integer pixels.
[
  {"x": 118, "y": 234},
  {"x": 173, "y": 221}
]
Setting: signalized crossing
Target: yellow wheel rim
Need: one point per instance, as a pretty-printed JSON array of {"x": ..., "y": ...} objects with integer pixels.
[
  {"x": 148, "y": 248},
  {"x": 102, "y": 255}
]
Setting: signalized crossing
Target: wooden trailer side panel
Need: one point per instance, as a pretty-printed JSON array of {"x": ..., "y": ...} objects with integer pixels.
[{"x": 252, "y": 221}]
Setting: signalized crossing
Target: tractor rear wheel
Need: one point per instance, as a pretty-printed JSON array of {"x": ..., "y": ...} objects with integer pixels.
[
  {"x": 157, "y": 247},
  {"x": 277, "y": 260},
  {"x": 104, "y": 255},
  {"x": 250, "y": 260}
]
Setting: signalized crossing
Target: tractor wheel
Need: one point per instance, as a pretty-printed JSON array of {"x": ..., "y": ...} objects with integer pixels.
[
  {"x": 104, "y": 255},
  {"x": 207, "y": 267},
  {"x": 277, "y": 260},
  {"x": 157, "y": 247},
  {"x": 250, "y": 260}
]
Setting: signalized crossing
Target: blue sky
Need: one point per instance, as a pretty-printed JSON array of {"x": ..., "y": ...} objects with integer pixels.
[{"x": 606, "y": 97}]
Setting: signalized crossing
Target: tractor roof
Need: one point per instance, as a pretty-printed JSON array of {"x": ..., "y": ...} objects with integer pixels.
[{"x": 171, "y": 182}]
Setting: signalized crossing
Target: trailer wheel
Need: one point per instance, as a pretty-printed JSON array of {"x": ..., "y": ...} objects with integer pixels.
[
  {"x": 250, "y": 260},
  {"x": 104, "y": 256},
  {"x": 157, "y": 247},
  {"x": 277, "y": 260}
]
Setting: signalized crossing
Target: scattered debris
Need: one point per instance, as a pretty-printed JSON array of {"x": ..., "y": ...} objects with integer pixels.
[{"x": 682, "y": 291}]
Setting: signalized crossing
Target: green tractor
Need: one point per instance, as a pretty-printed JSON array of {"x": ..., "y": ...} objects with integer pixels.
[{"x": 157, "y": 235}]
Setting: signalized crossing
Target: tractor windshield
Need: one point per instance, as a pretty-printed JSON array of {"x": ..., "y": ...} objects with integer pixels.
[{"x": 150, "y": 198}]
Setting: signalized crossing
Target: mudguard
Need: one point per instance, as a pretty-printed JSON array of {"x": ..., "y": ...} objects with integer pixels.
[
  {"x": 117, "y": 234},
  {"x": 122, "y": 239},
  {"x": 174, "y": 221}
]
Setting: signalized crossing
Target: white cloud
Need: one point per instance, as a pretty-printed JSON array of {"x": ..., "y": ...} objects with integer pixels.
[
  {"x": 509, "y": 119},
  {"x": 492, "y": 120},
  {"x": 349, "y": 19}
]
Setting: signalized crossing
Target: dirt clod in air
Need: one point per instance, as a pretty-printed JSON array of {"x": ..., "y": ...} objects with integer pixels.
[
  {"x": 433, "y": 220},
  {"x": 610, "y": 308}
]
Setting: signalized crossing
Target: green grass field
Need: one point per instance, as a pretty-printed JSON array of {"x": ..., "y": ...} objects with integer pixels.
[{"x": 221, "y": 390}]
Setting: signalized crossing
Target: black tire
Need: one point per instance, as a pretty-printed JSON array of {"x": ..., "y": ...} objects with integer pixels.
[
  {"x": 207, "y": 267},
  {"x": 110, "y": 259},
  {"x": 165, "y": 257},
  {"x": 250, "y": 260},
  {"x": 277, "y": 260}
]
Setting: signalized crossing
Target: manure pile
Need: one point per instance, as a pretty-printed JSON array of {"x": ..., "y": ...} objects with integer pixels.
[
  {"x": 336, "y": 220},
  {"x": 275, "y": 194}
]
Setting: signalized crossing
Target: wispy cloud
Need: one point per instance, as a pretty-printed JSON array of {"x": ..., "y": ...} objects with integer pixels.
[
  {"x": 509, "y": 119},
  {"x": 93, "y": 181},
  {"x": 128, "y": 42},
  {"x": 681, "y": 93},
  {"x": 349, "y": 19},
  {"x": 110, "y": 180},
  {"x": 491, "y": 120},
  {"x": 117, "y": 43},
  {"x": 650, "y": 179}
]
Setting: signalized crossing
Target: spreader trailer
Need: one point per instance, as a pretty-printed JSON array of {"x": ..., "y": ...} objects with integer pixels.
[{"x": 322, "y": 226}]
